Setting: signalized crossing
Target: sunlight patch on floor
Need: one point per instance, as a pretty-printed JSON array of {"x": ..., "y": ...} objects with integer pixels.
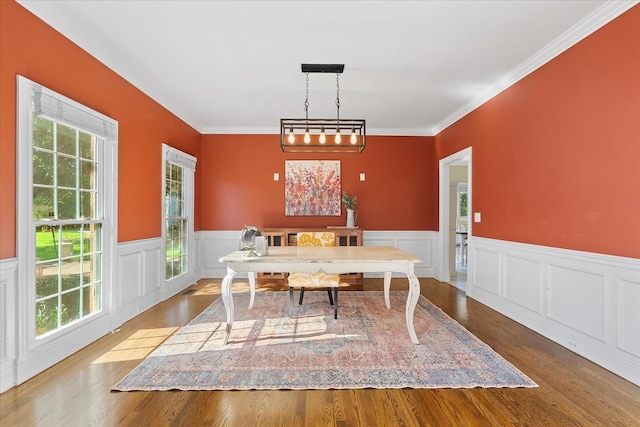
[{"x": 138, "y": 346}]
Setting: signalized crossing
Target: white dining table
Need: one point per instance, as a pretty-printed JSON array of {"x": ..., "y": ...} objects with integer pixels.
[{"x": 331, "y": 260}]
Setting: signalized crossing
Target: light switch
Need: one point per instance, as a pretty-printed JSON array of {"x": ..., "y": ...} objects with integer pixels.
[
  {"x": 362, "y": 177},
  {"x": 276, "y": 176},
  {"x": 476, "y": 217}
]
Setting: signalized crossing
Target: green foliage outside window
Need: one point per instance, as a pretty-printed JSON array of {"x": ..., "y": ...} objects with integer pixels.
[{"x": 463, "y": 204}]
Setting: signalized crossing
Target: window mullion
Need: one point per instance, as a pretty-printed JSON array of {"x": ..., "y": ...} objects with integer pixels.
[
  {"x": 77, "y": 169},
  {"x": 55, "y": 171}
]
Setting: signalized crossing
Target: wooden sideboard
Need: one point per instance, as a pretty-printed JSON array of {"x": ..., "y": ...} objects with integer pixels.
[{"x": 289, "y": 236}]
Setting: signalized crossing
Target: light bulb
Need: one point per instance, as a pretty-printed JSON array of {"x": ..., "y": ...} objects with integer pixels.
[
  {"x": 338, "y": 137},
  {"x": 307, "y": 137},
  {"x": 354, "y": 138},
  {"x": 323, "y": 138},
  {"x": 292, "y": 137}
]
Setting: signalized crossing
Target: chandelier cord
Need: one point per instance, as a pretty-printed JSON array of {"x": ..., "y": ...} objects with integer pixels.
[
  {"x": 306, "y": 101},
  {"x": 338, "y": 98}
]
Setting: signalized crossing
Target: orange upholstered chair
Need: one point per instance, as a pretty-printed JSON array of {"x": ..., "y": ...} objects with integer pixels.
[{"x": 319, "y": 279}]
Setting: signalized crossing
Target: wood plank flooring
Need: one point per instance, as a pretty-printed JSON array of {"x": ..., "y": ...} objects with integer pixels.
[{"x": 76, "y": 391}]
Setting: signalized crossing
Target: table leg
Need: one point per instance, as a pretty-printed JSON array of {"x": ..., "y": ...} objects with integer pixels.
[
  {"x": 252, "y": 287},
  {"x": 412, "y": 301},
  {"x": 227, "y": 299},
  {"x": 387, "y": 287}
]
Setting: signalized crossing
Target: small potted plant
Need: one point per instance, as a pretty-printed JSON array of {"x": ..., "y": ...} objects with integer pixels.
[{"x": 349, "y": 203}]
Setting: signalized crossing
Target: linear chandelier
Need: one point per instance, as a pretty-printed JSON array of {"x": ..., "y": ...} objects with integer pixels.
[{"x": 323, "y": 135}]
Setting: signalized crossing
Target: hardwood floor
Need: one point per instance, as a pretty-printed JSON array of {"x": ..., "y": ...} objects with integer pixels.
[{"x": 76, "y": 391}]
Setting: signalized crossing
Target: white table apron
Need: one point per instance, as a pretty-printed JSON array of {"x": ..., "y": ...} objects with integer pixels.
[{"x": 331, "y": 260}]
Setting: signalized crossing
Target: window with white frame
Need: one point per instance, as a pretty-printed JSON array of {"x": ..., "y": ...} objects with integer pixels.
[
  {"x": 462, "y": 200},
  {"x": 179, "y": 169},
  {"x": 66, "y": 210}
]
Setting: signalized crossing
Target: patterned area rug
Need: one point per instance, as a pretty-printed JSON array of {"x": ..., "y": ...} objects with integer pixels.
[{"x": 368, "y": 346}]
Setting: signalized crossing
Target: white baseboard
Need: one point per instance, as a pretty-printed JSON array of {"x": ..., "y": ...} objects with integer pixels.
[{"x": 586, "y": 302}]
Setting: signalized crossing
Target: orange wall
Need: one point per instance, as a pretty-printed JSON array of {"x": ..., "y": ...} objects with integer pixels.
[
  {"x": 237, "y": 187},
  {"x": 556, "y": 157},
  {"x": 31, "y": 48}
]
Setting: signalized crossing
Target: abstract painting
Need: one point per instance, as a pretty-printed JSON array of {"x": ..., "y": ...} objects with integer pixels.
[{"x": 312, "y": 188}]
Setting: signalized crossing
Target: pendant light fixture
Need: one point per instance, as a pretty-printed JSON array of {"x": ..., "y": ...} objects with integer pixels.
[{"x": 322, "y": 135}]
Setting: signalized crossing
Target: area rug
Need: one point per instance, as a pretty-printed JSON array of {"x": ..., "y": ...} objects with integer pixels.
[{"x": 368, "y": 346}]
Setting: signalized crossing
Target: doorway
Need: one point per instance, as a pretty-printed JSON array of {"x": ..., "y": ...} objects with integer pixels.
[{"x": 455, "y": 225}]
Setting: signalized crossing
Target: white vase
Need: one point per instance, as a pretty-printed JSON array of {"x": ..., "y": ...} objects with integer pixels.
[{"x": 351, "y": 222}]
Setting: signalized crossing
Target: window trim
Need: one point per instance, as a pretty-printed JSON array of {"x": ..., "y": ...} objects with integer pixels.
[
  {"x": 27, "y": 95},
  {"x": 188, "y": 162}
]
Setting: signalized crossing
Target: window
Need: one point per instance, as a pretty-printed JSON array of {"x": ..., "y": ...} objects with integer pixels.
[
  {"x": 179, "y": 171},
  {"x": 463, "y": 198},
  {"x": 67, "y": 227},
  {"x": 65, "y": 212},
  {"x": 175, "y": 221}
]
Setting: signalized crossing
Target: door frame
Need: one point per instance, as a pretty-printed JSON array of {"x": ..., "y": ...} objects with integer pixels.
[{"x": 443, "y": 272}]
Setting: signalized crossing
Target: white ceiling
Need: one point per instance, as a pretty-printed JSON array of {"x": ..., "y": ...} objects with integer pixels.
[{"x": 411, "y": 67}]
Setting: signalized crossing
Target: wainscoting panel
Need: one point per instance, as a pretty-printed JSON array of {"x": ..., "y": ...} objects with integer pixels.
[
  {"x": 586, "y": 302},
  {"x": 138, "y": 270},
  {"x": 577, "y": 299},
  {"x": 8, "y": 322},
  {"x": 154, "y": 263},
  {"x": 213, "y": 246},
  {"x": 130, "y": 278},
  {"x": 628, "y": 307},
  {"x": 522, "y": 282},
  {"x": 419, "y": 243},
  {"x": 487, "y": 278}
]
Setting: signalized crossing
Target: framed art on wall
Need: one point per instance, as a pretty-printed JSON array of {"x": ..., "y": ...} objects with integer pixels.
[{"x": 312, "y": 188}]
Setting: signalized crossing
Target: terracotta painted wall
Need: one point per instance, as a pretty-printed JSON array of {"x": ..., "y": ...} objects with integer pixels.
[
  {"x": 556, "y": 157},
  {"x": 31, "y": 48},
  {"x": 237, "y": 187}
]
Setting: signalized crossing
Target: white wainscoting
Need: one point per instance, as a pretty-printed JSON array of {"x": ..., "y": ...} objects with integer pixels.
[
  {"x": 589, "y": 303},
  {"x": 586, "y": 302},
  {"x": 8, "y": 326},
  {"x": 138, "y": 285},
  {"x": 213, "y": 245},
  {"x": 216, "y": 244},
  {"x": 419, "y": 243},
  {"x": 139, "y": 278}
]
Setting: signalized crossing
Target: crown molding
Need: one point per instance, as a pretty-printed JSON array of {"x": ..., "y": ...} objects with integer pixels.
[
  {"x": 591, "y": 23},
  {"x": 275, "y": 130},
  {"x": 221, "y": 130},
  {"x": 84, "y": 38}
]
